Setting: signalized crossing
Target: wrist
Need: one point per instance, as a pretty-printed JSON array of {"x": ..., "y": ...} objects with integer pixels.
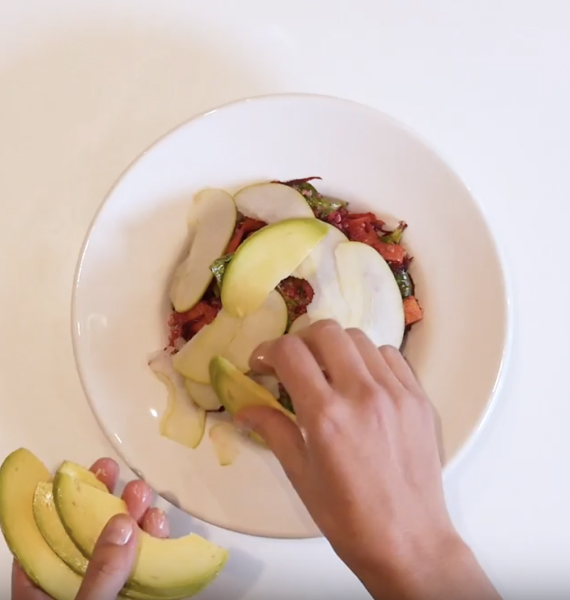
[{"x": 443, "y": 568}]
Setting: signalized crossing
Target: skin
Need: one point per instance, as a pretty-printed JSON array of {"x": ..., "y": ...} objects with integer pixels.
[{"x": 363, "y": 457}]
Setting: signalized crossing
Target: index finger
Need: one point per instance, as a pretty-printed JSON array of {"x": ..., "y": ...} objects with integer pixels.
[{"x": 290, "y": 359}]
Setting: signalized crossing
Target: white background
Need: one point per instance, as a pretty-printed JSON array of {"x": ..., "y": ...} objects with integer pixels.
[{"x": 86, "y": 86}]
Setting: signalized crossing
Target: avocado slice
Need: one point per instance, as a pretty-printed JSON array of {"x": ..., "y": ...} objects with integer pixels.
[
  {"x": 237, "y": 391},
  {"x": 20, "y": 474},
  {"x": 53, "y": 532},
  {"x": 83, "y": 474},
  {"x": 165, "y": 567},
  {"x": 266, "y": 258}
]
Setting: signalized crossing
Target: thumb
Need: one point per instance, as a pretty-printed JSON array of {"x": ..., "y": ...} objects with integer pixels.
[
  {"x": 112, "y": 561},
  {"x": 282, "y": 436}
]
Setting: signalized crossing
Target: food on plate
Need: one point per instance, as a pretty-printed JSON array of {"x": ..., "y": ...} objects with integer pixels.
[
  {"x": 203, "y": 395},
  {"x": 371, "y": 293},
  {"x": 235, "y": 338},
  {"x": 72, "y": 513},
  {"x": 236, "y": 390},
  {"x": 225, "y": 439},
  {"x": 211, "y": 223},
  {"x": 272, "y": 202},
  {"x": 183, "y": 420},
  {"x": 265, "y": 259},
  {"x": 273, "y": 259}
]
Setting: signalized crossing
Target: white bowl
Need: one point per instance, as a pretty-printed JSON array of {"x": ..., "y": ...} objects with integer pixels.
[{"x": 120, "y": 303}]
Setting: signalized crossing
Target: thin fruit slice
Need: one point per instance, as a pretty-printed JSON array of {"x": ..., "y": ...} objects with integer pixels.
[
  {"x": 225, "y": 439},
  {"x": 320, "y": 270},
  {"x": 231, "y": 337},
  {"x": 269, "y": 382},
  {"x": 164, "y": 568},
  {"x": 272, "y": 202},
  {"x": 203, "y": 395},
  {"x": 20, "y": 474},
  {"x": 237, "y": 391},
  {"x": 213, "y": 220},
  {"x": 193, "y": 359},
  {"x": 183, "y": 422},
  {"x": 81, "y": 473},
  {"x": 268, "y": 322},
  {"x": 53, "y": 532},
  {"x": 266, "y": 258},
  {"x": 372, "y": 293},
  {"x": 300, "y": 323}
]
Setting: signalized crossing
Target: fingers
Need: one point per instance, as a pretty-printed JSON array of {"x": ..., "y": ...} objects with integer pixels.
[
  {"x": 107, "y": 471},
  {"x": 335, "y": 350},
  {"x": 295, "y": 366},
  {"x": 23, "y": 588},
  {"x": 374, "y": 360},
  {"x": 112, "y": 561},
  {"x": 137, "y": 495},
  {"x": 401, "y": 369},
  {"x": 282, "y": 436},
  {"x": 155, "y": 523}
]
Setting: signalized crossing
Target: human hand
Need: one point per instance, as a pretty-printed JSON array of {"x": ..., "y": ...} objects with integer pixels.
[
  {"x": 115, "y": 552},
  {"x": 364, "y": 459}
]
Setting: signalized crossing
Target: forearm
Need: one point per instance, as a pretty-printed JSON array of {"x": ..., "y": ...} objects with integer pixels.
[{"x": 452, "y": 573}]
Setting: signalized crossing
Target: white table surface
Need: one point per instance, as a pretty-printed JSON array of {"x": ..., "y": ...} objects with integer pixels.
[{"x": 86, "y": 86}]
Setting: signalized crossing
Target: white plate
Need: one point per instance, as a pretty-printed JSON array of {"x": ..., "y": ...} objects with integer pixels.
[{"x": 120, "y": 301}]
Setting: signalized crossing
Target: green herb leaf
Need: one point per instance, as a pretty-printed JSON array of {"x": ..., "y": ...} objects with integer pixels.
[
  {"x": 218, "y": 267},
  {"x": 322, "y": 207},
  {"x": 394, "y": 237},
  {"x": 405, "y": 283}
]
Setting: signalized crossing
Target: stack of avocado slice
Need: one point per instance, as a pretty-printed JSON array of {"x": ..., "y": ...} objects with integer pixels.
[{"x": 51, "y": 527}]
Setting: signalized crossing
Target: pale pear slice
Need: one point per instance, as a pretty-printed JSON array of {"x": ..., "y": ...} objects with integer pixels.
[
  {"x": 193, "y": 359},
  {"x": 213, "y": 220},
  {"x": 268, "y": 322},
  {"x": 203, "y": 395},
  {"x": 226, "y": 441},
  {"x": 266, "y": 258},
  {"x": 183, "y": 421},
  {"x": 269, "y": 382},
  {"x": 81, "y": 473},
  {"x": 272, "y": 202},
  {"x": 372, "y": 293},
  {"x": 20, "y": 475},
  {"x": 237, "y": 391},
  {"x": 164, "y": 568},
  {"x": 231, "y": 337},
  {"x": 320, "y": 270},
  {"x": 299, "y": 323}
]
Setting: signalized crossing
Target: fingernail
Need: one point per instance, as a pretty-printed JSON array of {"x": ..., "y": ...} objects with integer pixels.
[{"x": 119, "y": 530}]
